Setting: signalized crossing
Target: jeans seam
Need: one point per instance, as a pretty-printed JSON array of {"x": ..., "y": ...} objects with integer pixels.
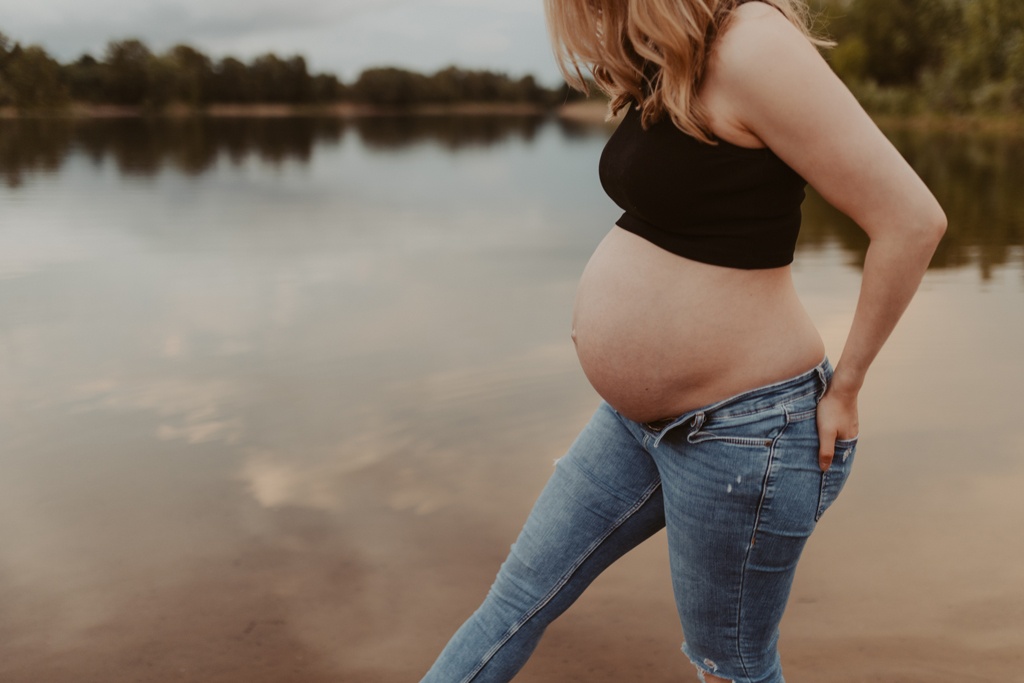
[
  {"x": 594, "y": 480},
  {"x": 750, "y": 546},
  {"x": 560, "y": 584},
  {"x": 818, "y": 513}
]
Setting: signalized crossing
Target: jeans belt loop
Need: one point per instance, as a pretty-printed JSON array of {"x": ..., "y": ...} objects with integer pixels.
[
  {"x": 824, "y": 382},
  {"x": 695, "y": 424}
]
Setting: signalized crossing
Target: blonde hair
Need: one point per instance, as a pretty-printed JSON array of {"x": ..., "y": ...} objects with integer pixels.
[{"x": 652, "y": 52}]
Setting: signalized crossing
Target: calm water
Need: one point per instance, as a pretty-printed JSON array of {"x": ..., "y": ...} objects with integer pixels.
[{"x": 276, "y": 395}]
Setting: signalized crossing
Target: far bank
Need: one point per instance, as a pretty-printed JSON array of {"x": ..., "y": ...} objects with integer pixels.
[{"x": 589, "y": 112}]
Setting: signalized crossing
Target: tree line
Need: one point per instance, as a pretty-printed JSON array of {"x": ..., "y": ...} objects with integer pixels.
[
  {"x": 131, "y": 74},
  {"x": 899, "y": 56},
  {"x": 909, "y": 56}
]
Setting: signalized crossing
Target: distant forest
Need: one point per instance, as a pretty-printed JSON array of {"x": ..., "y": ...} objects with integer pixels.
[
  {"x": 130, "y": 74},
  {"x": 898, "y": 56}
]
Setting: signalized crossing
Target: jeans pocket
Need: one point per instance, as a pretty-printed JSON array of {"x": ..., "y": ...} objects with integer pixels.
[{"x": 834, "y": 478}]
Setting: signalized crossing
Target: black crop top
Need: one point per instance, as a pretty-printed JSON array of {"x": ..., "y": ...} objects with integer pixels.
[{"x": 721, "y": 204}]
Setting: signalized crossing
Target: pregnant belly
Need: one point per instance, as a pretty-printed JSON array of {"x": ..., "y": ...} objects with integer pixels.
[{"x": 658, "y": 334}]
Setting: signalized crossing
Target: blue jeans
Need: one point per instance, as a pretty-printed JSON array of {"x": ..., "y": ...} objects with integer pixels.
[{"x": 736, "y": 485}]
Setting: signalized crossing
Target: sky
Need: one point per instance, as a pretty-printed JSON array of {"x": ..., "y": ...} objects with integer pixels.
[{"x": 339, "y": 36}]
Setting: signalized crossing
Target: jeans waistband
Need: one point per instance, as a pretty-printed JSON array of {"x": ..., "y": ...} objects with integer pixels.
[{"x": 813, "y": 381}]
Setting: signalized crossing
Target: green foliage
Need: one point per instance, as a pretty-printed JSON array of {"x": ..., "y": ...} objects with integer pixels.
[
  {"x": 887, "y": 100},
  {"x": 898, "y": 56},
  {"x": 193, "y": 75},
  {"x": 233, "y": 82},
  {"x": 850, "y": 58},
  {"x": 390, "y": 87},
  {"x": 984, "y": 69},
  {"x": 29, "y": 78},
  {"x": 131, "y": 74},
  {"x": 85, "y": 79},
  {"x": 897, "y": 38},
  {"x": 327, "y": 88},
  {"x": 957, "y": 56},
  {"x": 280, "y": 80},
  {"x": 401, "y": 88}
]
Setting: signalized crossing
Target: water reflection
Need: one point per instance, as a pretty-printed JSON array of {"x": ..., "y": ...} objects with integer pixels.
[
  {"x": 451, "y": 132},
  {"x": 278, "y": 416},
  {"x": 973, "y": 174},
  {"x": 141, "y": 146},
  {"x": 976, "y": 179}
]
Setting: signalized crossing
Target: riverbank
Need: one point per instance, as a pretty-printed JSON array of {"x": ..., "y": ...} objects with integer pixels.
[
  {"x": 340, "y": 109},
  {"x": 587, "y": 112}
]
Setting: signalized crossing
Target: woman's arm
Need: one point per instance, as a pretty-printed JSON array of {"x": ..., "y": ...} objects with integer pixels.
[{"x": 778, "y": 88}]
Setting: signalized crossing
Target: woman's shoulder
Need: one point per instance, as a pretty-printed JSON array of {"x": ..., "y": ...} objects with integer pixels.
[
  {"x": 755, "y": 8},
  {"x": 753, "y": 32},
  {"x": 756, "y": 42}
]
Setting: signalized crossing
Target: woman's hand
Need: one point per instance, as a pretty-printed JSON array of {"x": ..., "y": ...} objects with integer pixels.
[{"x": 837, "y": 419}]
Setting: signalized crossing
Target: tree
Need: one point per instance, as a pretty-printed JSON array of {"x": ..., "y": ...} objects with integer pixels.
[
  {"x": 281, "y": 80},
  {"x": 326, "y": 88},
  {"x": 193, "y": 73},
  {"x": 232, "y": 82},
  {"x": 6, "y": 97},
  {"x": 893, "y": 41},
  {"x": 390, "y": 87},
  {"x": 32, "y": 79},
  {"x": 983, "y": 59},
  {"x": 86, "y": 79},
  {"x": 128, "y": 72}
]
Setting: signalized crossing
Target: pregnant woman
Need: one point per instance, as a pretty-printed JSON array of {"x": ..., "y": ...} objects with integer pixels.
[{"x": 722, "y": 421}]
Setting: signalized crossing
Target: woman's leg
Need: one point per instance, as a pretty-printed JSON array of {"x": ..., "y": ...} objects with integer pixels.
[
  {"x": 603, "y": 499},
  {"x": 742, "y": 493}
]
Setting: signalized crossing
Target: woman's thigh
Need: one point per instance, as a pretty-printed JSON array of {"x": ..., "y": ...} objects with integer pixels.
[
  {"x": 601, "y": 484},
  {"x": 742, "y": 493}
]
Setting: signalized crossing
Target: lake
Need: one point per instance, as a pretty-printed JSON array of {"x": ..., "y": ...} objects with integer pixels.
[{"x": 277, "y": 394}]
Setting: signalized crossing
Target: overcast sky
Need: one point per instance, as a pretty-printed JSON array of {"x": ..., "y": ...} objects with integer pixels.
[{"x": 341, "y": 36}]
